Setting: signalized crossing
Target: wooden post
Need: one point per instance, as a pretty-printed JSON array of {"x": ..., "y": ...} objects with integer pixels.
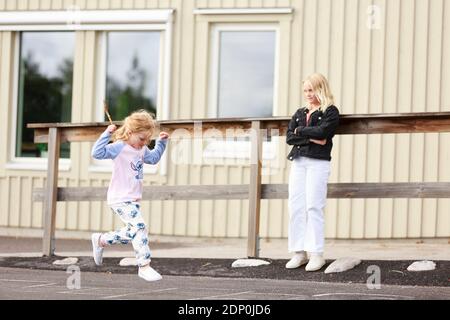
[
  {"x": 254, "y": 196},
  {"x": 51, "y": 189}
]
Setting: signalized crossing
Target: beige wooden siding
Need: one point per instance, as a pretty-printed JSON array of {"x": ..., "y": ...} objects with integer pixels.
[{"x": 404, "y": 66}]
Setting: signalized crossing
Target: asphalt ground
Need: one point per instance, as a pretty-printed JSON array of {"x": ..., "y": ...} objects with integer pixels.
[
  {"x": 20, "y": 284},
  {"x": 26, "y": 275},
  {"x": 386, "y": 272}
]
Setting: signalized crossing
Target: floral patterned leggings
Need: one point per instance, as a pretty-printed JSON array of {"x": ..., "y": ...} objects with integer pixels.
[{"x": 135, "y": 231}]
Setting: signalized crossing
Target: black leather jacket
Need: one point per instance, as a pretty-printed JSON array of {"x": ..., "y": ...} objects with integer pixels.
[{"x": 322, "y": 125}]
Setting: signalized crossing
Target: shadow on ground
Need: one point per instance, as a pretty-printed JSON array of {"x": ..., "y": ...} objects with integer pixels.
[{"x": 392, "y": 272}]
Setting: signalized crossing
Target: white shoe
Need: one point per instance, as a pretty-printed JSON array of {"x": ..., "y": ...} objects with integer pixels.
[
  {"x": 315, "y": 263},
  {"x": 97, "y": 251},
  {"x": 149, "y": 274},
  {"x": 297, "y": 260}
]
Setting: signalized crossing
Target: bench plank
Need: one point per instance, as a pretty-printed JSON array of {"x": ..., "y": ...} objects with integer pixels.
[
  {"x": 268, "y": 191},
  {"x": 275, "y": 126}
]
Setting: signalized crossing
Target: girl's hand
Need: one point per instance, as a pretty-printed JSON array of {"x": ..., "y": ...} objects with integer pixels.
[
  {"x": 321, "y": 142},
  {"x": 111, "y": 128},
  {"x": 163, "y": 135}
]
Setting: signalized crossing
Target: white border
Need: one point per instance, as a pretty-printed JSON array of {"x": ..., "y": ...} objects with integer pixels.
[
  {"x": 74, "y": 19},
  {"x": 223, "y": 149},
  {"x": 243, "y": 11}
]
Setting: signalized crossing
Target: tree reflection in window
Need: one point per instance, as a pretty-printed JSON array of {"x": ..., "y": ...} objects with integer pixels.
[
  {"x": 45, "y": 87},
  {"x": 132, "y": 72}
]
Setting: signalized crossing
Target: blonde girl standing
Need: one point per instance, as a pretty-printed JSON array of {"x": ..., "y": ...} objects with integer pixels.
[{"x": 310, "y": 132}]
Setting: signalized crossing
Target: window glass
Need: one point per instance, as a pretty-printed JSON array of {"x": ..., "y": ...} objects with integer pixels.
[
  {"x": 132, "y": 72},
  {"x": 45, "y": 87},
  {"x": 246, "y": 73}
]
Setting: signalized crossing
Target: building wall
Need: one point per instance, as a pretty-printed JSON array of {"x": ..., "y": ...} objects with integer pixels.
[{"x": 403, "y": 66}]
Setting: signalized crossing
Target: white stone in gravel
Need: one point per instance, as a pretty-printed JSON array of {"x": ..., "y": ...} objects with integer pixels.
[
  {"x": 424, "y": 265},
  {"x": 66, "y": 261},
  {"x": 128, "y": 262},
  {"x": 342, "y": 264},
  {"x": 248, "y": 263}
]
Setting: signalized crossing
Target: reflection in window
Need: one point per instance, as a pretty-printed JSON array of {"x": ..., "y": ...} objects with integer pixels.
[
  {"x": 246, "y": 73},
  {"x": 132, "y": 72},
  {"x": 45, "y": 87}
]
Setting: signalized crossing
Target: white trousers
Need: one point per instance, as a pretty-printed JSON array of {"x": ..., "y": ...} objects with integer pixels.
[{"x": 308, "y": 180}]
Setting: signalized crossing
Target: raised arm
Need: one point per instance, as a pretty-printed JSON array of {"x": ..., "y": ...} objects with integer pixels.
[
  {"x": 102, "y": 150},
  {"x": 153, "y": 156}
]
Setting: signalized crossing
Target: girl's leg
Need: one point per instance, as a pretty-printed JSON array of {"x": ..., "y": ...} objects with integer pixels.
[
  {"x": 135, "y": 231},
  {"x": 317, "y": 175},
  {"x": 297, "y": 206}
]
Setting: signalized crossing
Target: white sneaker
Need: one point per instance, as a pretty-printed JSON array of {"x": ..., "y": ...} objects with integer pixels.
[
  {"x": 315, "y": 263},
  {"x": 97, "y": 251},
  {"x": 149, "y": 274},
  {"x": 297, "y": 260}
]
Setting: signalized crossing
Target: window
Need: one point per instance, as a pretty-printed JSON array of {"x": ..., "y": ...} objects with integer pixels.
[
  {"x": 45, "y": 87},
  {"x": 132, "y": 73},
  {"x": 242, "y": 71},
  {"x": 129, "y": 79},
  {"x": 245, "y": 76},
  {"x": 242, "y": 82}
]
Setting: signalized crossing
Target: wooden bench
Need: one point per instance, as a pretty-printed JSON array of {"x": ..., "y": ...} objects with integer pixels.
[{"x": 56, "y": 133}]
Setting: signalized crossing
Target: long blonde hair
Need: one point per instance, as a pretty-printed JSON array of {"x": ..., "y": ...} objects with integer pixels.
[
  {"x": 138, "y": 121},
  {"x": 321, "y": 89}
]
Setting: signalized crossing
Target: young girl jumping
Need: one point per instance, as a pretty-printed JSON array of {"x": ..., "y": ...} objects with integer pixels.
[{"x": 129, "y": 152}]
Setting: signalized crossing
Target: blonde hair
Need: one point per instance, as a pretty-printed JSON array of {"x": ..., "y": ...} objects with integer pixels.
[
  {"x": 321, "y": 89},
  {"x": 138, "y": 121}
]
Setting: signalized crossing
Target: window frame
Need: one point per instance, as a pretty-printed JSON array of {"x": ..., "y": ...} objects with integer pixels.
[
  {"x": 25, "y": 163},
  {"x": 214, "y": 59}
]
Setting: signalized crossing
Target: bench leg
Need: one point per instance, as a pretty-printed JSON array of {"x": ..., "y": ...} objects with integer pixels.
[
  {"x": 254, "y": 191},
  {"x": 51, "y": 189}
]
